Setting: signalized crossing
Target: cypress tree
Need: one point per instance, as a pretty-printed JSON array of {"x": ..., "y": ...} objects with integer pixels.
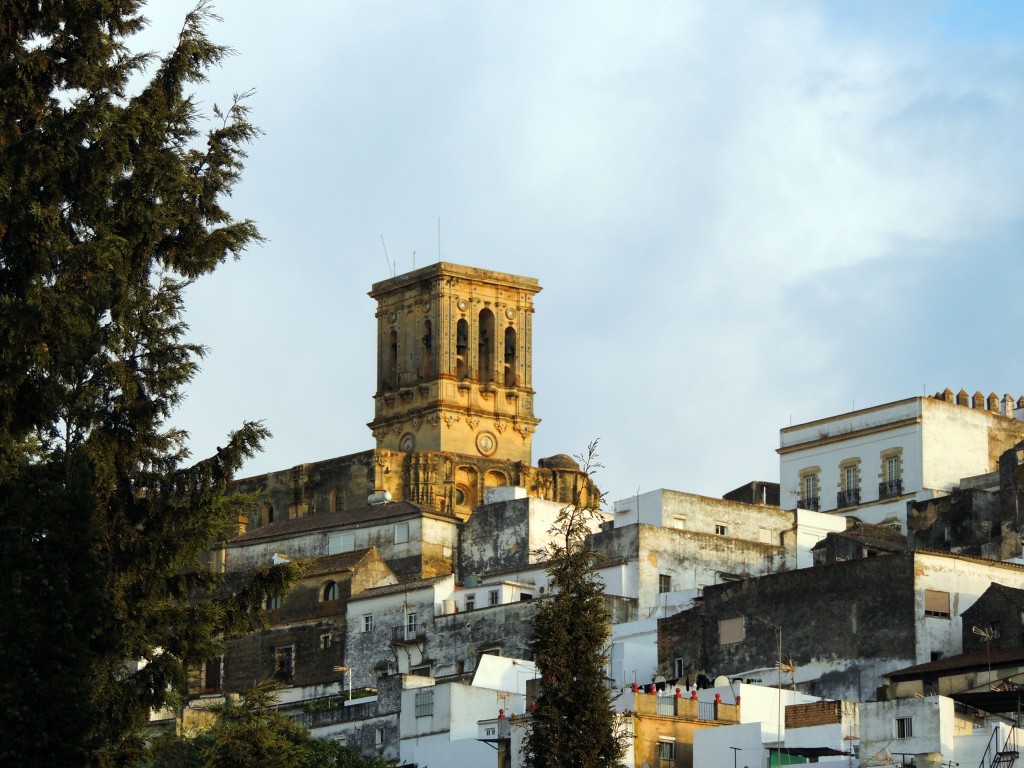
[
  {"x": 111, "y": 204},
  {"x": 573, "y": 723}
]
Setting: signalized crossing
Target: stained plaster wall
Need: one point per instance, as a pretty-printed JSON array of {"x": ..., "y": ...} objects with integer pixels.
[
  {"x": 844, "y": 625},
  {"x": 251, "y": 658},
  {"x": 965, "y": 579},
  {"x": 372, "y": 653},
  {"x": 503, "y": 630},
  {"x": 428, "y": 552},
  {"x": 506, "y": 535},
  {"x": 360, "y": 731},
  {"x": 994, "y": 611},
  {"x": 932, "y": 724},
  {"x": 692, "y": 559}
]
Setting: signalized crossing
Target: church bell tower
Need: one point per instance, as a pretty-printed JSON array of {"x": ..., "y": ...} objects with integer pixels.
[{"x": 454, "y": 371}]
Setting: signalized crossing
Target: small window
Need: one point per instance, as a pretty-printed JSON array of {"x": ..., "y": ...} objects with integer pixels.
[
  {"x": 378, "y": 737},
  {"x": 425, "y": 702},
  {"x": 325, "y": 641},
  {"x": 936, "y": 603},
  {"x": 341, "y": 542},
  {"x": 410, "y": 624},
  {"x": 470, "y": 602},
  {"x": 494, "y": 597},
  {"x": 329, "y": 592},
  {"x": 401, "y": 533},
  {"x": 667, "y": 751},
  {"x": 678, "y": 669},
  {"x": 368, "y": 622},
  {"x": 664, "y": 583},
  {"x": 273, "y": 602},
  {"x": 421, "y": 671},
  {"x": 721, "y": 529},
  {"x": 904, "y": 727},
  {"x": 731, "y": 631}
]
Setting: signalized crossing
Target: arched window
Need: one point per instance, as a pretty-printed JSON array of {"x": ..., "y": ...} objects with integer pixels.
[
  {"x": 391, "y": 378},
  {"x": 510, "y": 356},
  {"x": 267, "y": 513},
  {"x": 485, "y": 357},
  {"x": 329, "y": 592},
  {"x": 462, "y": 350},
  {"x": 426, "y": 351}
]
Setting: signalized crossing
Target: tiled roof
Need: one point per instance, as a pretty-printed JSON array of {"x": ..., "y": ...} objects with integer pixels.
[
  {"x": 345, "y": 518},
  {"x": 961, "y": 661},
  {"x": 393, "y": 589},
  {"x": 344, "y": 561}
]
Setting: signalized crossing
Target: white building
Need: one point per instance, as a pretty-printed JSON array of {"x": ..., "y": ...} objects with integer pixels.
[
  {"x": 870, "y": 462},
  {"x": 931, "y": 731},
  {"x": 438, "y": 723}
]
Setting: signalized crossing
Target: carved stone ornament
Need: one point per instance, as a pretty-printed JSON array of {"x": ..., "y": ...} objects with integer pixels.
[
  {"x": 486, "y": 443},
  {"x": 417, "y": 422},
  {"x": 500, "y": 426},
  {"x": 451, "y": 418},
  {"x": 524, "y": 429},
  {"x": 408, "y": 442},
  {"x": 397, "y": 428},
  {"x": 433, "y": 419},
  {"x": 472, "y": 421}
]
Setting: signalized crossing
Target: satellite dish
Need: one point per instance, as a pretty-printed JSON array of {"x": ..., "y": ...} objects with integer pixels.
[{"x": 721, "y": 681}]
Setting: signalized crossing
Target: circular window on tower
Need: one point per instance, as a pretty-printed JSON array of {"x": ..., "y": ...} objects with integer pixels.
[
  {"x": 408, "y": 442},
  {"x": 486, "y": 443}
]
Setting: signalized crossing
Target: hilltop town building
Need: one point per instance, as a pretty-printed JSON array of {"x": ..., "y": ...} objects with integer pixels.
[
  {"x": 871, "y": 462},
  {"x": 409, "y": 634}
]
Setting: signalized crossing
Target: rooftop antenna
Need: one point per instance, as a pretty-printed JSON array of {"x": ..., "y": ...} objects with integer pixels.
[{"x": 387, "y": 258}]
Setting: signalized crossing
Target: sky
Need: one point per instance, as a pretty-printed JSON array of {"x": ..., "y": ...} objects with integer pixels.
[{"x": 743, "y": 215}]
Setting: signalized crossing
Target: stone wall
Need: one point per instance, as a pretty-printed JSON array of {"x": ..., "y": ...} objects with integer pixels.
[{"x": 843, "y": 625}]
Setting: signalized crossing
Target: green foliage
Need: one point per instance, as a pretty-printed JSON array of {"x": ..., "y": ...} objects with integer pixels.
[
  {"x": 252, "y": 734},
  {"x": 573, "y": 722},
  {"x": 110, "y": 205}
]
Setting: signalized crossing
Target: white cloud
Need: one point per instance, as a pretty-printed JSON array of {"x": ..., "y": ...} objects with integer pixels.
[{"x": 727, "y": 206}]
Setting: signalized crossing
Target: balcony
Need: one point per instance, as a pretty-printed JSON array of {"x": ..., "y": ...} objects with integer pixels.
[
  {"x": 812, "y": 503},
  {"x": 848, "y": 498},
  {"x": 407, "y": 635},
  {"x": 890, "y": 489}
]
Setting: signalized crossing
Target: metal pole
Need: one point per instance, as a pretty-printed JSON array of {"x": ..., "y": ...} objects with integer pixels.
[{"x": 735, "y": 750}]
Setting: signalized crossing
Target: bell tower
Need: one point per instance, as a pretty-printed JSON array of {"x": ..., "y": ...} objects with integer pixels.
[{"x": 454, "y": 369}]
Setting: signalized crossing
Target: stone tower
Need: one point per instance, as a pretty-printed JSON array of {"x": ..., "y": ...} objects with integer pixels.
[{"x": 454, "y": 370}]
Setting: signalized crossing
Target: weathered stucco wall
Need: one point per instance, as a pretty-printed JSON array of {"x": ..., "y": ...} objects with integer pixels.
[
  {"x": 842, "y": 624},
  {"x": 689, "y": 559}
]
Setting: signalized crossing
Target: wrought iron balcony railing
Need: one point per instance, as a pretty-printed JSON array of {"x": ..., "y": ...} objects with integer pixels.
[
  {"x": 848, "y": 498},
  {"x": 403, "y": 635},
  {"x": 811, "y": 502},
  {"x": 889, "y": 489}
]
